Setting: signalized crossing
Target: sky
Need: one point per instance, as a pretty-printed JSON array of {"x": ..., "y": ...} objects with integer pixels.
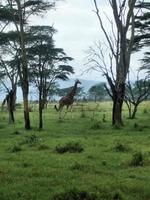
[{"x": 78, "y": 28}]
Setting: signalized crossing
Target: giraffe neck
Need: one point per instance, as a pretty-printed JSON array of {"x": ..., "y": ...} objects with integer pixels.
[{"x": 72, "y": 93}]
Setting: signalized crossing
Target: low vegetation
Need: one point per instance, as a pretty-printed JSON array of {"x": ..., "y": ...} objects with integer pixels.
[
  {"x": 71, "y": 147},
  {"x": 69, "y": 160}
]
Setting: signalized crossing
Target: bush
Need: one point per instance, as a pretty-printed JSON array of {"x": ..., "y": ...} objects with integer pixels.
[
  {"x": 74, "y": 194},
  {"x": 96, "y": 125},
  {"x": 18, "y": 105},
  {"x": 31, "y": 139},
  {"x": 145, "y": 111},
  {"x": 16, "y": 133},
  {"x": 43, "y": 147},
  {"x": 137, "y": 159},
  {"x": 71, "y": 147},
  {"x": 121, "y": 147},
  {"x": 77, "y": 166},
  {"x": 118, "y": 196},
  {"x": 137, "y": 127},
  {"x": 15, "y": 148}
]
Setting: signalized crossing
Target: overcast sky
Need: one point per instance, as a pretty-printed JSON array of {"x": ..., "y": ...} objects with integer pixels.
[{"x": 78, "y": 28}]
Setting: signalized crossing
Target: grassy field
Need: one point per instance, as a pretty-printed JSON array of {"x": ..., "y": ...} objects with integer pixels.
[{"x": 79, "y": 158}]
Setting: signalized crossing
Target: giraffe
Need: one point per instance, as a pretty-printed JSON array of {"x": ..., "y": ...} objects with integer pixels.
[{"x": 68, "y": 99}]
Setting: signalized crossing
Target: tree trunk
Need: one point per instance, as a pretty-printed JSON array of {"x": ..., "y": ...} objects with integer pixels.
[
  {"x": 134, "y": 111},
  {"x": 40, "y": 113},
  {"x": 117, "y": 106},
  {"x": 24, "y": 75},
  {"x": 14, "y": 97},
  {"x": 11, "y": 114},
  {"x": 129, "y": 106},
  {"x": 26, "y": 110}
]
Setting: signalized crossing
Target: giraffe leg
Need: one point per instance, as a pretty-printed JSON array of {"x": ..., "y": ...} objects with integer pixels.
[
  {"x": 66, "y": 111},
  {"x": 60, "y": 111},
  {"x": 71, "y": 109}
]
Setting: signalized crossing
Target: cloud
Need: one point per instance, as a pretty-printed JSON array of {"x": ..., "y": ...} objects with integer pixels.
[{"x": 78, "y": 28}]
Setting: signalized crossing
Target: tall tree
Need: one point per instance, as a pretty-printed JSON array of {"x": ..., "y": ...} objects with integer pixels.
[
  {"x": 120, "y": 44},
  {"x": 142, "y": 27},
  {"x": 47, "y": 63},
  {"x": 9, "y": 49},
  {"x": 24, "y": 9}
]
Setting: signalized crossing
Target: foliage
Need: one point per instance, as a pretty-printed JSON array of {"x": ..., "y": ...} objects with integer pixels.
[
  {"x": 15, "y": 148},
  {"x": 136, "y": 92},
  {"x": 30, "y": 140},
  {"x": 142, "y": 38},
  {"x": 74, "y": 194},
  {"x": 121, "y": 147},
  {"x": 96, "y": 125},
  {"x": 137, "y": 159},
  {"x": 71, "y": 147},
  {"x": 97, "y": 92},
  {"x": 47, "y": 63}
]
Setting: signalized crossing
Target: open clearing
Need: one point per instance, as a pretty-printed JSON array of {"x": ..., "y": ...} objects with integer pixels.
[{"x": 82, "y": 153}]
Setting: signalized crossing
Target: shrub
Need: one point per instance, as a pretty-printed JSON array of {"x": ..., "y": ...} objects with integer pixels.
[
  {"x": 15, "y": 148},
  {"x": 137, "y": 127},
  {"x": 118, "y": 196},
  {"x": 104, "y": 163},
  {"x": 77, "y": 166},
  {"x": 18, "y": 105},
  {"x": 71, "y": 147},
  {"x": 137, "y": 159},
  {"x": 83, "y": 114},
  {"x": 96, "y": 125},
  {"x": 121, "y": 147},
  {"x": 43, "y": 147},
  {"x": 16, "y": 132},
  {"x": 31, "y": 139},
  {"x": 145, "y": 111},
  {"x": 25, "y": 165},
  {"x": 74, "y": 194}
]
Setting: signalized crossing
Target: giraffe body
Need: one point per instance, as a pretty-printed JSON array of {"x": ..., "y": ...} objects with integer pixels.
[{"x": 69, "y": 98}]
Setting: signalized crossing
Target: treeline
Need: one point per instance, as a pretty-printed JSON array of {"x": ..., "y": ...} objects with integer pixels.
[{"x": 29, "y": 54}]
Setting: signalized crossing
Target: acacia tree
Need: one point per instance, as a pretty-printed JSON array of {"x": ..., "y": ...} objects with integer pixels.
[
  {"x": 47, "y": 63},
  {"x": 24, "y": 9},
  {"x": 142, "y": 27},
  {"x": 120, "y": 44},
  {"x": 9, "y": 49},
  {"x": 136, "y": 93},
  {"x": 97, "y": 92}
]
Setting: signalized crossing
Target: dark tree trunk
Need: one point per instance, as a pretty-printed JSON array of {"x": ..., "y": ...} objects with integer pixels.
[
  {"x": 9, "y": 99},
  {"x": 24, "y": 70},
  {"x": 40, "y": 116},
  {"x": 26, "y": 110},
  {"x": 129, "y": 106},
  {"x": 40, "y": 111},
  {"x": 14, "y": 98},
  {"x": 134, "y": 111},
  {"x": 11, "y": 117},
  {"x": 118, "y": 99}
]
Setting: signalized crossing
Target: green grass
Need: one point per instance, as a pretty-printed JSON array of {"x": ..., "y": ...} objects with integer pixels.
[{"x": 31, "y": 169}]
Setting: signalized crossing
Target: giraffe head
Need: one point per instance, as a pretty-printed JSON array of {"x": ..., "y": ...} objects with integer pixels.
[{"x": 77, "y": 81}]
